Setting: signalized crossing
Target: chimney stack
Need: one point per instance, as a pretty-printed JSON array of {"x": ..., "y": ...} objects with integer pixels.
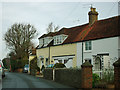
[{"x": 93, "y": 16}]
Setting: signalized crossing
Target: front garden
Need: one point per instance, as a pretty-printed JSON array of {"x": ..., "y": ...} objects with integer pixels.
[{"x": 106, "y": 81}]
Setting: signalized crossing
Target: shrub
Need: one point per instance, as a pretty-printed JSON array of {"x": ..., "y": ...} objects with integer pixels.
[
  {"x": 59, "y": 65},
  {"x": 96, "y": 79},
  {"x": 21, "y": 63},
  {"x": 33, "y": 66},
  {"x": 13, "y": 65},
  {"x": 108, "y": 76}
]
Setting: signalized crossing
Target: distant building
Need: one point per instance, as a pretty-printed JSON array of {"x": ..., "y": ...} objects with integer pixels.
[
  {"x": 97, "y": 41},
  {"x": 32, "y": 56}
]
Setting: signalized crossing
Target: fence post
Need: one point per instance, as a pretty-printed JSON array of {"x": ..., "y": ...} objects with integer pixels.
[
  {"x": 53, "y": 74},
  {"x": 86, "y": 75},
  {"x": 117, "y": 73}
]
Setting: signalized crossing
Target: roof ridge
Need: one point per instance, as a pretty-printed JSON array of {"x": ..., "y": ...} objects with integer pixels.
[{"x": 108, "y": 18}]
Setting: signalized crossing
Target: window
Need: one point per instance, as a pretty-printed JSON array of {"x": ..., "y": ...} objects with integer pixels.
[
  {"x": 88, "y": 45},
  {"x": 40, "y": 42},
  {"x": 60, "y": 61},
  {"x": 47, "y": 40},
  {"x": 65, "y": 61},
  {"x": 59, "y": 39}
]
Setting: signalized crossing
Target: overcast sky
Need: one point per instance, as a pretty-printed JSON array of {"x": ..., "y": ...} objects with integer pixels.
[{"x": 40, "y": 14}]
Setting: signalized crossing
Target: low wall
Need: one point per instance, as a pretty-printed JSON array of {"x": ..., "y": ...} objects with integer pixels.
[
  {"x": 48, "y": 74},
  {"x": 78, "y": 78},
  {"x": 117, "y": 74},
  {"x": 71, "y": 77}
]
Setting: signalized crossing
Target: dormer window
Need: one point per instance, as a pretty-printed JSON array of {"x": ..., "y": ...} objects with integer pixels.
[
  {"x": 41, "y": 42},
  {"x": 47, "y": 40},
  {"x": 59, "y": 39}
]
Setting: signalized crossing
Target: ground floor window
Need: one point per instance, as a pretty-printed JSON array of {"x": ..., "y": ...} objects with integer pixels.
[
  {"x": 67, "y": 62},
  {"x": 60, "y": 61}
]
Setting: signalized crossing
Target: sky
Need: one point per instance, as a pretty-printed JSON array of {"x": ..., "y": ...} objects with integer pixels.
[{"x": 67, "y": 14}]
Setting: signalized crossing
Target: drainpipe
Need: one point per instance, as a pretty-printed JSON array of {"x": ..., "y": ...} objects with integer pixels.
[
  {"x": 82, "y": 52},
  {"x": 49, "y": 54}
]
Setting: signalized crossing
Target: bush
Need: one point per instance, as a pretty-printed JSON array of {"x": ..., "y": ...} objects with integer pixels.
[
  {"x": 33, "y": 66},
  {"x": 59, "y": 65},
  {"x": 96, "y": 79},
  {"x": 13, "y": 65},
  {"x": 21, "y": 63},
  {"x": 107, "y": 78}
]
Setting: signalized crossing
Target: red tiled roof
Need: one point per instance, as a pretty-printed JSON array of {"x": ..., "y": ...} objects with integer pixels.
[
  {"x": 48, "y": 35},
  {"x": 100, "y": 29},
  {"x": 105, "y": 28}
]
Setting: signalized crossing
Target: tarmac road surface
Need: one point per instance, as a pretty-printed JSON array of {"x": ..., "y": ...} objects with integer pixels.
[{"x": 23, "y": 80}]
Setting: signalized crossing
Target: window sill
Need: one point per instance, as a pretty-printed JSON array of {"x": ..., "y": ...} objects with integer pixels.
[
  {"x": 87, "y": 51},
  {"x": 57, "y": 43}
]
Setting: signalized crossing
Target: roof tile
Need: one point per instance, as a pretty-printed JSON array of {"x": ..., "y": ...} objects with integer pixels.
[{"x": 100, "y": 29}]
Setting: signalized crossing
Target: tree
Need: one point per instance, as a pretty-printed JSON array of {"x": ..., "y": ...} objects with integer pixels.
[
  {"x": 52, "y": 28},
  {"x": 13, "y": 61},
  {"x": 18, "y": 39},
  {"x": 6, "y": 62}
]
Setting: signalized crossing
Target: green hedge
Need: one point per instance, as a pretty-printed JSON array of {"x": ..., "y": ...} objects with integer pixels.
[
  {"x": 96, "y": 79},
  {"x": 33, "y": 66},
  {"x": 59, "y": 65}
]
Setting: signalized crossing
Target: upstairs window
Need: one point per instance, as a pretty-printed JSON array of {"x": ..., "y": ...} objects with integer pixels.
[
  {"x": 88, "y": 45},
  {"x": 47, "y": 40},
  {"x": 44, "y": 41},
  {"x": 59, "y": 39},
  {"x": 40, "y": 42}
]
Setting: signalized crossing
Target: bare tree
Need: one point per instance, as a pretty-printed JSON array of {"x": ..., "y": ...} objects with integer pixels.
[
  {"x": 52, "y": 28},
  {"x": 18, "y": 39}
]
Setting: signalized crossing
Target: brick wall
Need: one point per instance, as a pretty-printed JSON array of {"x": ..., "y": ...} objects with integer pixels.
[
  {"x": 117, "y": 74},
  {"x": 86, "y": 77}
]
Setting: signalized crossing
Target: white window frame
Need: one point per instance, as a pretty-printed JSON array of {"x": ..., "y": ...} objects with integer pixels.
[
  {"x": 49, "y": 39},
  {"x": 59, "y": 39},
  {"x": 40, "y": 43},
  {"x": 87, "y": 50}
]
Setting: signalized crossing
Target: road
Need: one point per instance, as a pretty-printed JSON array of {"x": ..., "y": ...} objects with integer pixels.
[{"x": 23, "y": 80}]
